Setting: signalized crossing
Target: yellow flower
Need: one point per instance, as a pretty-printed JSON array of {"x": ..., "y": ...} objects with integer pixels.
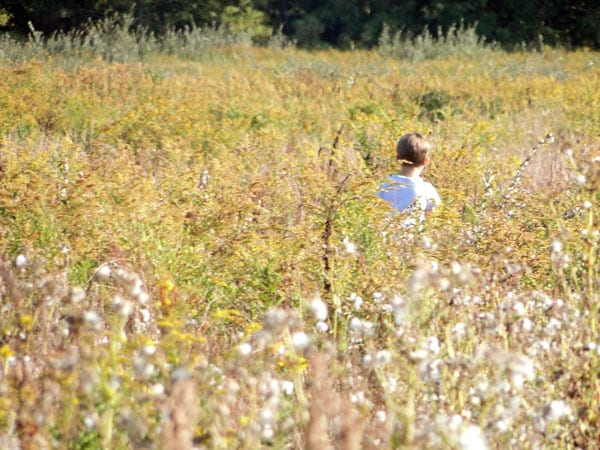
[
  {"x": 228, "y": 315},
  {"x": 6, "y": 351},
  {"x": 26, "y": 321},
  {"x": 252, "y": 327}
]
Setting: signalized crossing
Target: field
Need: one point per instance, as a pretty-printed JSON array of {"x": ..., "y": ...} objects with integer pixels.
[{"x": 191, "y": 252}]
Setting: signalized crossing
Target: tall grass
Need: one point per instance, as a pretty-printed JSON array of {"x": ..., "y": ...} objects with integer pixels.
[
  {"x": 192, "y": 253},
  {"x": 118, "y": 39},
  {"x": 458, "y": 40}
]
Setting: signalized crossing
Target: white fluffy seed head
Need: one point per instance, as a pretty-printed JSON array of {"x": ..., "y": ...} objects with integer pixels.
[
  {"x": 557, "y": 246},
  {"x": 321, "y": 327},
  {"x": 319, "y": 309},
  {"x": 21, "y": 261},
  {"x": 103, "y": 273},
  {"x": 300, "y": 341},
  {"x": 244, "y": 349}
]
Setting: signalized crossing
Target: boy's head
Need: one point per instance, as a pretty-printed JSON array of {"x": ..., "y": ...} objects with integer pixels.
[{"x": 413, "y": 150}]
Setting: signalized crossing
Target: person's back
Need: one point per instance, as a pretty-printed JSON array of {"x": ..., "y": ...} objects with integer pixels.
[
  {"x": 407, "y": 191},
  {"x": 404, "y": 192}
]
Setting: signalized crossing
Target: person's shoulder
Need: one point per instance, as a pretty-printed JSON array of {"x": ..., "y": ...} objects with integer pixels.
[
  {"x": 428, "y": 184},
  {"x": 432, "y": 192}
]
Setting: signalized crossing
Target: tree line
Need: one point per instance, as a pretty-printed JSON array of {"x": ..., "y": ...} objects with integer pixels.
[{"x": 339, "y": 23}]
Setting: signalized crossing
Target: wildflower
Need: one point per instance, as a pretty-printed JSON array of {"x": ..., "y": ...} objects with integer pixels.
[
  {"x": 146, "y": 315},
  {"x": 418, "y": 355},
  {"x": 143, "y": 298},
  {"x": 232, "y": 386},
  {"x": 6, "y": 351},
  {"x": 142, "y": 367},
  {"x": 135, "y": 288},
  {"x": 459, "y": 330},
  {"x": 124, "y": 307},
  {"x": 392, "y": 384},
  {"x": 149, "y": 349},
  {"x": 77, "y": 294},
  {"x": 502, "y": 425},
  {"x": 20, "y": 261},
  {"x": 300, "y": 341},
  {"x": 557, "y": 246},
  {"x": 287, "y": 387},
  {"x": 521, "y": 369},
  {"x": 427, "y": 243},
  {"x": 350, "y": 247},
  {"x": 418, "y": 280},
  {"x": 367, "y": 328},
  {"x": 378, "y": 297},
  {"x": 204, "y": 177},
  {"x": 321, "y": 327},
  {"x": 526, "y": 324},
  {"x": 319, "y": 309},
  {"x": 399, "y": 309},
  {"x": 266, "y": 416},
  {"x": 103, "y": 273},
  {"x": 472, "y": 438},
  {"x": 541, "y": 346},
  {"x": 356, "y": 300},
  {"x": 433, "y": 345},
  {"x": 381, "y": 416},
  {"x": 157, "y": 389},
  {"x": 92, "y": 319},
  {"x": 459, "y": 434},
  {"x": 89, "y": 421},
  {"x": 456, "y": 268},
  {"x": 358, "y": 397},
  {"x": 355, "y": 325},
  {"x": 383, "y": 357},
  {"x": 553, "y": 326},
  {"x": 591, "y": 347},
  {"x": 580, "y": 179},
  {"x": 244, "y": 349},
  {"x": 268, "y": 432},
  {"x": 274, "y": 319},
  {"x": 519, "y": 308},
  {"x": 556, "y": 410}
]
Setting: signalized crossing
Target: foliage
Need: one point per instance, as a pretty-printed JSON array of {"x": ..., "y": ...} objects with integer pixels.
[{"x": 192, "y": 253}]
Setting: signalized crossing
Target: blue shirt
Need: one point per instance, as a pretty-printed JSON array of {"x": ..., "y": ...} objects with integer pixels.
[{"x": 404, "y": 193}]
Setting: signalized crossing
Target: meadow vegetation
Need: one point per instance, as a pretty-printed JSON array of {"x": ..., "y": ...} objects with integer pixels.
[{"x": 191, "y": 252}]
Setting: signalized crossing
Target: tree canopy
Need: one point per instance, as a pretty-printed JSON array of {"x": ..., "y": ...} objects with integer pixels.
[{"x": 338, "y": 23}]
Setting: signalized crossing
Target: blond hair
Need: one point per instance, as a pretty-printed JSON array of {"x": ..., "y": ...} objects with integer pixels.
[{"x": 412, "y": 149}]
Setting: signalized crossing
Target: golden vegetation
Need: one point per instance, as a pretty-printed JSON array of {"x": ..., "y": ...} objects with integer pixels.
[{"x": 192, "y": 252}]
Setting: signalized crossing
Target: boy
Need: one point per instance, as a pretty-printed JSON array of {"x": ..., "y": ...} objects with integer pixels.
[{"x": 407, "y": 191}]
